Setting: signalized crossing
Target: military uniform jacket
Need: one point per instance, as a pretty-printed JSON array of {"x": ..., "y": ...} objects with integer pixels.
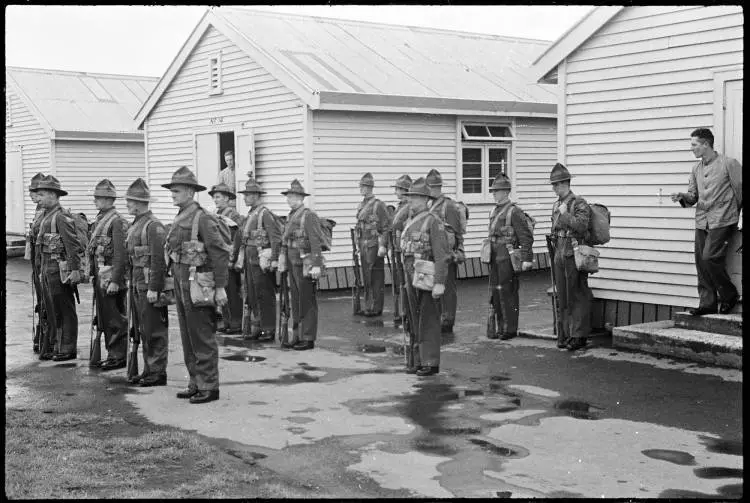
[
  {"x": 423, "y": 237},
  {"x": 572, "y": 227},
  {"x": 34, "y": 228},
  {"x": 445, "y": 208},
  {"x": 400, "y": 216},
  {"x": 301, "y": 238},
  {"x": 63, "y": 245},
  {"x": 216, "y": 255},
  {"x": 372, "y": 223},
  {"x": 148, "y": 253},
  {"x": 110, "y": 246},
  {"x": 259, "y": 230},
  {"x": 517, "y": 234}
]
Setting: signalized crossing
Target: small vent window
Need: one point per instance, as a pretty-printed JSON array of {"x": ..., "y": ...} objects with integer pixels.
[
  {"x": 8, "y": 117},
  {"x": 214, "y": 74},
  {"x": 486, "y": 132}
]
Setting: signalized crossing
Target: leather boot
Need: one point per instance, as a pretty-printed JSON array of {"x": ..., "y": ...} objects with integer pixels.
[
  {"x": 187, "y": 393},
  {"x": 205, "y": 396},
  {"x": 427, "y": 371}
]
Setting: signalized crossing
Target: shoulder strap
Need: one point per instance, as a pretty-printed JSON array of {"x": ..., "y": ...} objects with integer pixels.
[
  {"x": 144, "y": 231},
  {"x": 425, "y": 223},
  {"x": 509, "y": 215},
  {"x": 261, "y": 212},
  {"x": 413, "y": 220},
  {"x": 53, "y": 223},
  {"x": 196, "y": 220},
  {"x": 104, "y": 225}
]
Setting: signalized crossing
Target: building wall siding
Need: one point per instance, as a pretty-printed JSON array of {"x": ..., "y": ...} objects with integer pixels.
[
  {"x": 83, "y": 164},
  {"x": 251, "y": 96},
  {"x": 633, "y": 92},
  {"x": 28, "y": 135}
]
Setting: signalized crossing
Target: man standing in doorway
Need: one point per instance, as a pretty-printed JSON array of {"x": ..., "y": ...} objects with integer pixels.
[
  {"x": 715, "y": 188},
  {"x": 372, "y": 236},
  {"x": 227, "y": 175},
  {"x": 447, "y": 210}
]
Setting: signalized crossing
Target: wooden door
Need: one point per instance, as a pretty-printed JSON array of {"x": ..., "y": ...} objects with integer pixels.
[
  {"x": 14, "y": 218},
  {"x": 733, "y": 148},
  {"x": 206, "y": 165},
  {"x": 244, "y": 159}
]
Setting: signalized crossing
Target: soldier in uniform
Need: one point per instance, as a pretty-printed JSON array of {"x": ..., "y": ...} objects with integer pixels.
[
  {"x": 445, "y": 208},
  {"x": 57, "y": 242},
  {"x": 232, "y": 312},
  {"x": 423, "y": 238},
  {"x": 257, "y": 246},
  {"x": 145, "y": 244},
  {"x": 30, "y": 245},
  {"x": 503, "y": 278},
  {"x": 372, "y": 236},
  {"x": 107, "y": 260},
  {"x": 189, "y": 259},
  {"x": 570, "y": 223},
  {"x": 301, "y": 252},
  {"x": 400, "y": 216}
]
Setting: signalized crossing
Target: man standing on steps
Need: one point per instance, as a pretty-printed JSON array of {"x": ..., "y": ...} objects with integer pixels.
[
  {"x": 222, "y": 195},
  {"x": 503, "y": 278},
  {"x": 145, "y": 244},
  {"x": 715, "y": 188},
  {"x": 372, "y": 236},
  {"x": 108, "y": 259},
  {"x": 57, "y": 242},
  {"x": 447, "y": 210},
  {"x": 31, "y": 244},
  {"x": 196, "y": 249},
  {"x": 570, "y": 223},
  {"x": 257, "y": 246},
  {"x": 400, "y": 216}
]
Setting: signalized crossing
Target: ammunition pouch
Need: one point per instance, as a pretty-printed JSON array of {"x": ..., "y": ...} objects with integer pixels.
[
  {"x": 104, "y": 276},
  {"x": 586, "y": 258},
  {"x": 264, "y": 258},
  {"x": 258, "y": 238},
  {"x": 142, "y": 256},
  {"x": 193, "y": 253},
  {"x": 307, "y": 265},
  {"x": 424, "y": 275}
]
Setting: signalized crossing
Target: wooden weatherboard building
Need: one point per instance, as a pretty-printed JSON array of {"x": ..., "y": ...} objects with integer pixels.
[
  {"x": 634, "y": 82},
  {"x": 76, "y": 126},
  {"x": 326, "y": 100}
]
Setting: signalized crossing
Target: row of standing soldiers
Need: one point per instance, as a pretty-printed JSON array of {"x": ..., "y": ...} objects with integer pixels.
[{"x": 202, "y": 263}]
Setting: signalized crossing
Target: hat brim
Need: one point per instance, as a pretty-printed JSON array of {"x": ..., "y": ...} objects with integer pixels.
[
  {"x": 252, "y": 192},
  {"x": 420, "y": 194},
  {"x": 60, "y": 192},
  {"x": 366, "y": 184},
  {"x": 141, "y": 199},
  {"x": 231, "y": 195},
  {"x": 113, "y": 196},
  {"x": 294, "y": 192},
  {"x": 493, "y": 189},
  {"x": 561, "y": 180},
  {"x": 198, "y": 188}
]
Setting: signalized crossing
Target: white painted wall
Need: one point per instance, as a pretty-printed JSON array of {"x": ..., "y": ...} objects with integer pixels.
[
  {"x": 251, "y": 96},
  {"x": 633, "y": 93}
]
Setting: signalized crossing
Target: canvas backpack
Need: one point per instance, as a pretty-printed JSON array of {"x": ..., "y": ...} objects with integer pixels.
[
  {"x": 598, "y": 230},
  {"x": 530, "y": 221},
  {"x": 463, "y": 215},
  {"x": 324, "y": 231},
  {"x": 83, "y": 236}
]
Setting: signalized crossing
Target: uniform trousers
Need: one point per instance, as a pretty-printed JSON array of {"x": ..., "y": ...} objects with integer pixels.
[
  {"x": 39, "y": 305},
  {"x": 198, "y": 334},
  {"x": 111, "y": 315},
  {"x": 304, "y": 305},
  {"x": 373, "y": 271},
  {"x": 261, "y": 296},
  {"x": 711, "y": 248},
  {"x": 574, "y": 298},
  {"x": 504, "y": 292},
  {"x": 424, "y": 317},
  {"x": 232, "y": 311},
  {"x": 60, "y": 305},
  {"x": 153, "y": 322},
  {"x": 449, "y": 302}
]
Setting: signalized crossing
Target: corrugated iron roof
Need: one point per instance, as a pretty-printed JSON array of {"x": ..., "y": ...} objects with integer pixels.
[
  {"x": 83, "y": 102},
  {"x": 359, "y": 57}
]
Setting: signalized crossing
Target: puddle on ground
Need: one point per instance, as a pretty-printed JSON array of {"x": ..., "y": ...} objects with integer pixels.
[
  {"x": 241, "y": 343},
  {"x": 683, "y": 494},
  {"x": 676, "y": 457},
  {"x": 578, "y": 409},
  {"x": 731, "y": 491},
  {"x": 372, "y": 348},
  {"x": 296, "y": 378},
  {"x": 243, "y": 358},
  {"x": 299, "y": 419},
  {"x": 432, "y": 445},
  {"x": 722, "y": 446},
  {"x": 456, "y": 430},
  {"x": 718, "y": 472},
  {"x": 498, "y": 450},
  {"x": 65, "y": 365},
  {"x": 305, "y": 366}
]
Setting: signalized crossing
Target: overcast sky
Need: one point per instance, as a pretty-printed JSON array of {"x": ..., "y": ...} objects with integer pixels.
[{"x": 140, "y": 40}]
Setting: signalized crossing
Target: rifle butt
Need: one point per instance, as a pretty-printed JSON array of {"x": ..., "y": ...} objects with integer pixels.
[{"x": 96, "y": 351}]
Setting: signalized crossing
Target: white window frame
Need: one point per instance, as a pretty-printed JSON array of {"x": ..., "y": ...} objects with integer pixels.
[
  {"x": 485, "y": 143},
  {"x": 219, "y": 87}
]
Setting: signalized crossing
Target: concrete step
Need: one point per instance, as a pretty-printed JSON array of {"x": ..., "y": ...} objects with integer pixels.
[
  {"x": 663, "y": 338},
  {"x": 727, "y": 324},
  {"x": 15, "y": 251}
]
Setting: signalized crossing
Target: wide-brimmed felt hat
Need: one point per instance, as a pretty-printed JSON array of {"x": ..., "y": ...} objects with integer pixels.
[
  {"x": 105, "y": 188},
  {"x": 252, "y": 187},
  {"x": 49, "y": 182},
  {"x": 35, "y": 181},
  {"x": 419, "y": 188},
  {"x": 184, "y": 176},
  {"x": 559, "y": 174},
  {"x": 139, "y": 191},
  {"x": 367, "y": 180},
  {"x": 403, "y": 182},
  {"x": 296, "y": 188},
  {"x": 223, "y": 188},
  {"x": 434, "y": 178},
  {"x": 501, "y": 182}
]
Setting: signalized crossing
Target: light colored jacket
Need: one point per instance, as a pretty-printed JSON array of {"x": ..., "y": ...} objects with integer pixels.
[{"x": 716, "y": 191}]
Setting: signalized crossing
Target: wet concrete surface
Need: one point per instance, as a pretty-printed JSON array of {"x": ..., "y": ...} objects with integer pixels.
[{"x": 502, "y": 419}]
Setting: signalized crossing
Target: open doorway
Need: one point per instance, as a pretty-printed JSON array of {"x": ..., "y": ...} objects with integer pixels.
[{"x": 226, "y": 143}]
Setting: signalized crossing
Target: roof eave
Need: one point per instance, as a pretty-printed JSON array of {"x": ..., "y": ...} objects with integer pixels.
[
  {"x": 126, "y": 136},
  {"x": 43, "y": 122},
  {"x": 332, "y": 100},
  {"x": 571, "y": 40}
]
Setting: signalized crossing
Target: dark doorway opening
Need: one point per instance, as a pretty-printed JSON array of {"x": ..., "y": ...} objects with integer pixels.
[{"x": 226, "y": 142}]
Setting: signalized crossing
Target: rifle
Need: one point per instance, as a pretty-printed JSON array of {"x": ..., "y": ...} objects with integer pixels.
[
  {"x": 557, "y": 327},
  {"x": 284, "y": 309},
  {"x": 357, "y": 288},
  {"x": 396, "y": 274},
  {"x": 95, "y": 351},
  {"x": 133, "y": 335},
  {"x": 491, "y": 319},
  {"x": 34, "y": 339}
]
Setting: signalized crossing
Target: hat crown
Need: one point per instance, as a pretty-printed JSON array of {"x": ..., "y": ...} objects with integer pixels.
[
  {"x": 559, "y": 173},
  {"x": 253, "y": 186},
  {"x": 419, "y": 188},
  {"x": 183, "y": 176},
  {"x": 105, "y": 188},
  {"x": 138, "y": 191},
  {"x": 434, "y": 178},
  {"x": 403, "y": 182},
  {"x": 501, "y": 182},
  {"x": 297, "y": 186},
  {"x": 367, "y": 179},
  {"x": 35, "y": 180}
]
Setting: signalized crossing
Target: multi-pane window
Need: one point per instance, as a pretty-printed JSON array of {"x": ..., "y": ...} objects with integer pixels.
[
  {"x": 214, "y": 74},
  {"x": 485, "y": 153}
]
